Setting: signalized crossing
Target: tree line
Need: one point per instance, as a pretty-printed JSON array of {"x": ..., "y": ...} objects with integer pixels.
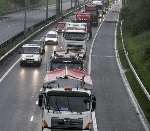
[{"x": 136, "y": 16}]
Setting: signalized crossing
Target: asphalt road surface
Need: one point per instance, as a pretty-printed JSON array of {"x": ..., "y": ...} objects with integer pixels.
[
  {"x": 20, "y": 87},
  {"x": 115, "y": 111}
]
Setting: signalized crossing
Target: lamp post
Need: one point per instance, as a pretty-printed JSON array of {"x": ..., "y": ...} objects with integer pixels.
[
  {"x": 71, "y": 3},
  {"x": 46, "y": 9},
  {"x": 25, "y": 17}
]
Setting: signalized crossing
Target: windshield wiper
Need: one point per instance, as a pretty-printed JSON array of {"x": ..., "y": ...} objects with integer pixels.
[
  {"x": 69, "y": 104},
  {"x": 56, "y": 104}
]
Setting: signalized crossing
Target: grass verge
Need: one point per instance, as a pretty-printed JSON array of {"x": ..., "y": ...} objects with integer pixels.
[{"x": 138, "y": 92}]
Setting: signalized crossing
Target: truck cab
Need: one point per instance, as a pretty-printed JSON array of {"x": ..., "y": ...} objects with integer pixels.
[
  {"x": 84, "y": 17},
  {"x": 100, "y": 7},
  {"x": 66, "y": 101},
  {"x": 91, "y": 8},
  {"x": 75, "y": 36},
  {"x": 31, "y": 54}
]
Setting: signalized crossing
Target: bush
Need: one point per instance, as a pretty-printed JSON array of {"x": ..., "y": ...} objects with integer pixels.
[{"x": 136, "y": 15}]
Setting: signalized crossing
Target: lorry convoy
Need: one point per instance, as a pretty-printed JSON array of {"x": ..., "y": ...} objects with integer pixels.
[{"x": 66, "y": 99}]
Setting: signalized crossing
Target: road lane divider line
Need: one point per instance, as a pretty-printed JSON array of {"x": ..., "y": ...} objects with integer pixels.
[
  {"x": 37, "y": 102},
  {"x": 9, "y": 70},
  {"x": 90, "y": 64},
  {"x": 31, "y": 119},
  {"x": 94, "y": 121},
  {"x": 89, "y": 72},
  {"x": 91, "y": 48},
  {"x": 128, "y": 88}
]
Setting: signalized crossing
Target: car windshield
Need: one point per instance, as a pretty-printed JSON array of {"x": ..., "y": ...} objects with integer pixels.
[
  {"x": 67, "y": 101},
  {"x": 31, "y": 50},
  {"x": 75, "y": 36},
  {"x": 51, "y": 35}
]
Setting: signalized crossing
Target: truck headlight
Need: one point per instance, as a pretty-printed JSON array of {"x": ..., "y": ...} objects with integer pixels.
[{"x": 37, "y": 59}]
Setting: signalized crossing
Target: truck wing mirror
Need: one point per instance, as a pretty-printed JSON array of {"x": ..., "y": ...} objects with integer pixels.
[
  {"x": 41, "y": 96},
  {"x": 93, "y": 102}
]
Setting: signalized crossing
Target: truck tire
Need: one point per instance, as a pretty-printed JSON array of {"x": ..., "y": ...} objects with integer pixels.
[
  {"x": 43, "y": 51},
  {"x": 90, "y": 35},
  {"x": 21, "y": 64}
]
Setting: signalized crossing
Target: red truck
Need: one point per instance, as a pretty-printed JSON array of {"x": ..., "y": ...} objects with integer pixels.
[
  {"x": 85, "y": 17},
  {"x": 93, "y": 10}
]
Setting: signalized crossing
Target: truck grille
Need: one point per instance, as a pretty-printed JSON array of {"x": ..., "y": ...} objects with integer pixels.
[{"x": 66, "y": 123}]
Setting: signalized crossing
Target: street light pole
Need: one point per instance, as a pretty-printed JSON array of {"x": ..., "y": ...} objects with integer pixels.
[
  {"x": 61, "y": 6},
  {"x": 25, "y": 17},
  {"x": 46, "y": 9},
  {"x": 71, "y": 3}
]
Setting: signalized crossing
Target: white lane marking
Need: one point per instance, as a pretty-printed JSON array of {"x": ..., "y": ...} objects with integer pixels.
[
  {"x": 89, "y": 72},
  {"x": 37, "y": 102},
  {"x": 94, "y": 121},
  {"x": 31, "y": 119},
  {"x": 91, "y": 48},
  {"x": 89, "y": 68},
  {"x": 128, "y": 88},
  {"x": 9, "y": 70},
  {"x": 107, "y": 56}
]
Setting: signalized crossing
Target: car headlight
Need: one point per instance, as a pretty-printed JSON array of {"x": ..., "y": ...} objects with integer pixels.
[
  {"x": 55, "y": 40},
  {"x": 23, "y": 58},
  {"x": 37, "y": 59}
]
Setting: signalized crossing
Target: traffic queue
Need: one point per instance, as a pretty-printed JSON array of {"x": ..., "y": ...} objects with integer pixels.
[{"x": 66, "y": 100}]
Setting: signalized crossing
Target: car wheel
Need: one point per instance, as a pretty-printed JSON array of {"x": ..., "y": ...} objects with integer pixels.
[{"x": 21, "y": 64}]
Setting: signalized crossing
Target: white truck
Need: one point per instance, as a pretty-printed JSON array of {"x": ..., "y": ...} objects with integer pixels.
[
  {"x": 31, "y": 54},
  {"x": 66, "y": 101},
  {"x": 75, "y": 37}
]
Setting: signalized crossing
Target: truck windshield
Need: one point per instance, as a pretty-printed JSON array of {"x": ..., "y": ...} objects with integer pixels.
[
  {"x": 31, "y": 50},
  {"x": 67, "y": 64},
  {"x": 61, "y": 63},
  {"x": 51, "y": 35},
  {"x": 68, "y": 103},
  {"x": 75, "y": 36}
]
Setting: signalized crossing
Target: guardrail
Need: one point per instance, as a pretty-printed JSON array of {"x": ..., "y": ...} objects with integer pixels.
[
  {"x": 132, "y": 67},
  {"x": 32, "y": 31}
]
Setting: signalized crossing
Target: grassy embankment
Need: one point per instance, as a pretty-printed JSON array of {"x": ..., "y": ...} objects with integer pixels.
[{"x": 136, "y": 30}]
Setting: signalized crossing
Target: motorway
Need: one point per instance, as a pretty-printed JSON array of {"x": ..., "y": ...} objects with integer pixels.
[
  {"x": 13, "y": 23},
  {"x": 20, "y": 87}
]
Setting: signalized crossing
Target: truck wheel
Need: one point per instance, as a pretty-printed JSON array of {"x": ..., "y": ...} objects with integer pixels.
[
  {"x": 21, "y": 64},
  {"x": 90, "y": 35},
  {"x": 43, "y": 51}
]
